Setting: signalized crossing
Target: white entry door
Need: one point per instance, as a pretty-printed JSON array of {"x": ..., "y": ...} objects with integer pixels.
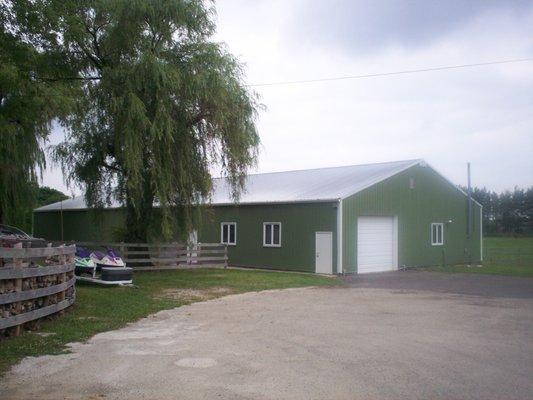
[
  {"x": 324, "y": 252},
  {"x": 376, "y": 244}
]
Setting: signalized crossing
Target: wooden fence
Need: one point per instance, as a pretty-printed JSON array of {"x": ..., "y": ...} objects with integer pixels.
[
  {"x": 154, "y": 256},
  {"x": 34, "y": 283}
]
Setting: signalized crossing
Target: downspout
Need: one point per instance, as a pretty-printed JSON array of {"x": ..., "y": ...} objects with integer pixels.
[{"x": 340, "y": 269}]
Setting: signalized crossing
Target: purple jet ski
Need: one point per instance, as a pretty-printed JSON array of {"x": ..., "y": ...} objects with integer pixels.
[
  {"x": 103, "y": 268},
  {"x": 108, "y": 259}
]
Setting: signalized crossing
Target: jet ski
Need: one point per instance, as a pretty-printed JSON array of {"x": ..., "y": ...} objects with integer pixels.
[
  {"x": 108, "y": 268},
  {"x": 107, "y": 259},
  {"x": 83, "y": 263}
]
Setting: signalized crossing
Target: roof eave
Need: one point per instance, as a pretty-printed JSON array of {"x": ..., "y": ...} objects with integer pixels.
[{"x": 247, "y": 203}]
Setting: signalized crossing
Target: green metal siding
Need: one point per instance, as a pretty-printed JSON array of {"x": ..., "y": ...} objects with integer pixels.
[
  {"x": 433, "y": 199},
  {"x": 299, "y": 222},
  {"x": 79, "y": 225}
]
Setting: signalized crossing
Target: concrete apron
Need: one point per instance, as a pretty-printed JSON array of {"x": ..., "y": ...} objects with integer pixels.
[{"x": 311, "y": 343}]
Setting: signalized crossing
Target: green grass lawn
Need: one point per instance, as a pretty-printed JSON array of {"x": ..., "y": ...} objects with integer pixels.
[
  {"x": 99, "y": 309},
  {"x": 502, "y": 256}
]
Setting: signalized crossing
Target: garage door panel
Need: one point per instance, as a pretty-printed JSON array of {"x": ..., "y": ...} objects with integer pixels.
[
  {"x": 377, "y": 256},
  {"x": 375, "y": 244}
]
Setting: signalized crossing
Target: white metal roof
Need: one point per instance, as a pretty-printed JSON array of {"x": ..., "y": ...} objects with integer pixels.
[{"x": 309, "y": 185}]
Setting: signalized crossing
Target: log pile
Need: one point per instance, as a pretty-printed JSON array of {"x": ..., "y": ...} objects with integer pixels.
[{"x": 34, "y": 283}]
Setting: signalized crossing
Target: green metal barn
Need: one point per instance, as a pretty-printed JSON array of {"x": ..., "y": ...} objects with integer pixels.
[{"x": 353, "y": 219}]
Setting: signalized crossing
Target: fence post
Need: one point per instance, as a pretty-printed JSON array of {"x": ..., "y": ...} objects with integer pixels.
[
  {"x": 46, "y": 300},
  {"x": 122, "y": 251},
  {"x": 62, "y": 278},
  {"x": 225, "y": 256},
  {"x": 199, "y": 253},
  {"x": 17, "y": 262}
]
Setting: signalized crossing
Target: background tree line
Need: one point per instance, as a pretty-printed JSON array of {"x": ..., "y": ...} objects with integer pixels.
[
  {"x": 506, "y": 213},
  {"x": 38, "y": 196}
]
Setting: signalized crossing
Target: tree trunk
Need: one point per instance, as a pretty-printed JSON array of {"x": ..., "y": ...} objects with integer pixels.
[{"x": 139, "y": 223}]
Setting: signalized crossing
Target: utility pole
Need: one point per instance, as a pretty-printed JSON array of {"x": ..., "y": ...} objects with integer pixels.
[{"x": 469, "y": 212}]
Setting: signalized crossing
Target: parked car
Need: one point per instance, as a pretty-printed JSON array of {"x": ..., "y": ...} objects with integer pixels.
[{"x": 9, "y": 235}]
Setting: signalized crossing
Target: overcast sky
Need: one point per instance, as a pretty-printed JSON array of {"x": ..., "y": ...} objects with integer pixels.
[{"x": 483, "y": 115}]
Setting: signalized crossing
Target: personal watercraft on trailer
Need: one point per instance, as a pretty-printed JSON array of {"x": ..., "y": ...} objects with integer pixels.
[{"x": 103, "y": 268}]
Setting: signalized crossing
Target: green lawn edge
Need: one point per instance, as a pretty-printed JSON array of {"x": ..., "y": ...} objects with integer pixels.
[{"x": 502, "y": 256}]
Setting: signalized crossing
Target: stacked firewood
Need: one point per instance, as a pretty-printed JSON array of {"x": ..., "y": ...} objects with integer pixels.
[
  {"x": 36, "y": 282},
  {"x": 8, "y": 288}
]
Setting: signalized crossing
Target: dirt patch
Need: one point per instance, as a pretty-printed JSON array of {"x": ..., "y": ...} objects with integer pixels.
[
  {"x": 44, "y": 334},
  {"x": 221, "y": 290},
  {"x": 193, "y": 294}
]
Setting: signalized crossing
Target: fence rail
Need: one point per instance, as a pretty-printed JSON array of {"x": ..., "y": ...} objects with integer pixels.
[
  {"x": 153, "y": 256},
  {"x": 34, "y": 283}
]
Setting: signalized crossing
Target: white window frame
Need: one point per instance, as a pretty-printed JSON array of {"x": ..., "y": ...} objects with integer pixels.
[
  {"x": 434, "y": 240},
  {"x": 228, "y": 224},
  {"x": 271, "y": 234}
]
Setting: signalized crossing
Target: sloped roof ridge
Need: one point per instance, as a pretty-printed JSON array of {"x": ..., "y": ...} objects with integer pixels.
[{"x": 334, "y": 167}]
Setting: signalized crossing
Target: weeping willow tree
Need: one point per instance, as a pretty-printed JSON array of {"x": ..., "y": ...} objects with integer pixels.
[
  {"x": 162, "y": 102},
  {"x": 29, "y": 102}
]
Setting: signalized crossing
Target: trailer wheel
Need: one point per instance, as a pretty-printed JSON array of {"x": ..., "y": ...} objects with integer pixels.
[{"x": 80, "y": 270}]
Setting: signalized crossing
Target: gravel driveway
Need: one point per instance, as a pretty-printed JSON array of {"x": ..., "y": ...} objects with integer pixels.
[{"x": 366, "y": 341}]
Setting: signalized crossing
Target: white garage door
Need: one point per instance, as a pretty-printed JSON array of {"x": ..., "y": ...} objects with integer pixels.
[{"x": 376, "y": 244}]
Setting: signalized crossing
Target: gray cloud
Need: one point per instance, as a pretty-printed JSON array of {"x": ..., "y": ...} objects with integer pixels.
[{"x": 369, "y": 25}]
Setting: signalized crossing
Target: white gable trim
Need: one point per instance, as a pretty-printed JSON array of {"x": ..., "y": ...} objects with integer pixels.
[{"x": 452, "y": 184}]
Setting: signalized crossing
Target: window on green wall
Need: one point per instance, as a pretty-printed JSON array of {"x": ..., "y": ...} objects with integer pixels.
[
  {"x": 272, "y": 234},
  {"x": 228, "y": 233},
  {"x": 437, "y": 234}
]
